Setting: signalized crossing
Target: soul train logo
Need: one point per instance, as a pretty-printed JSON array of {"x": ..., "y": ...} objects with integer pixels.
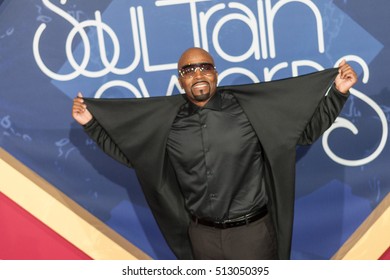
[{"x": 261, "y": 26}]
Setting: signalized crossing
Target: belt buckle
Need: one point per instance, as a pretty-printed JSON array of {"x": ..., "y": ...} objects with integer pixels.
[
  {"x": 223, "y": 224},
  {"x": 247, "y": 216}
]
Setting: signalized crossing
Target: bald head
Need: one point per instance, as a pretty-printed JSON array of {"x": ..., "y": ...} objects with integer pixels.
[{"x": 194, "y": 55}]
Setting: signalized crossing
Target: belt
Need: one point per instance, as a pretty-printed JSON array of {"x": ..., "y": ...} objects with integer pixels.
[{"x": 235, "y": 222}]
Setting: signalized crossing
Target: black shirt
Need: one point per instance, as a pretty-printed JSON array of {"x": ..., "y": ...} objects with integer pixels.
[{"x": 218, "y": 159}]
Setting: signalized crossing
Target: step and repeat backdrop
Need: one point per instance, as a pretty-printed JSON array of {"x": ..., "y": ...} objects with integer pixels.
[{"x": 50, "y": 50}]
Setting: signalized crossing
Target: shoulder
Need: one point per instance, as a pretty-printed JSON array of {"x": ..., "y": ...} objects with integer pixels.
[{"x": 179, "y": 98}]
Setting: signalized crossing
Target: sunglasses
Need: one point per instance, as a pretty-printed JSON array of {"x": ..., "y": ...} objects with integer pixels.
[{"x": 188, "y": 71}]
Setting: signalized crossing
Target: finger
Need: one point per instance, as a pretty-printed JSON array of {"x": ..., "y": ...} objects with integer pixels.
[
  {"x": 342, "y": 63},
  {"x": 79, "y": 98},
  {"x": 349, "y": 72},
  {"x": 345, "y": 71},
  {"x": 79, "y": 107},
  {"x": 78, "y": 103},
  {"x": 77, "y": 111}
]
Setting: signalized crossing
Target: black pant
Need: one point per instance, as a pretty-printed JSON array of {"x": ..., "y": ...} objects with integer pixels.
[{"x": 255, "y": 241}]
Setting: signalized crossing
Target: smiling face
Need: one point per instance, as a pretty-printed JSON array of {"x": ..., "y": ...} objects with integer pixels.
[{"x": 197, "y": 75}]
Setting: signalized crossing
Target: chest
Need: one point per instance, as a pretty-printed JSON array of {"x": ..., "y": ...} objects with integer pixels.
[{"x": 223, "y": 132}]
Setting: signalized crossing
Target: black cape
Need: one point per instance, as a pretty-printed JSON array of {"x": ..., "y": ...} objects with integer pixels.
[{"x": 283, "y": 113}]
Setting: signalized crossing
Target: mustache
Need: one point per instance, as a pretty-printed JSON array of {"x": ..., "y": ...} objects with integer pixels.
[{"x": 200, "y": 82}]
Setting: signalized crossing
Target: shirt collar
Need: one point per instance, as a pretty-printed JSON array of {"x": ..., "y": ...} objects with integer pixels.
[{"x": 215, "y": 103}]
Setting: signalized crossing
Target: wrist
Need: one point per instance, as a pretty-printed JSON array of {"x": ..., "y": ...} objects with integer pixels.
[{"x": 341, "y": 90}]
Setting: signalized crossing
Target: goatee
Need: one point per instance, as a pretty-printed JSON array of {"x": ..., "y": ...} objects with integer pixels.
[{"x": 202, "y": 96}]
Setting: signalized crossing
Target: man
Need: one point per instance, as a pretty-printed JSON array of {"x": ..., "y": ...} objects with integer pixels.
[{"x": 217, "y": 164}]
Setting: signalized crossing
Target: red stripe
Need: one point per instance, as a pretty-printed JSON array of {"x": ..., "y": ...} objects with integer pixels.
[
  {"x": 386, "y": 255},
  {"x": 23, "y": 237}
]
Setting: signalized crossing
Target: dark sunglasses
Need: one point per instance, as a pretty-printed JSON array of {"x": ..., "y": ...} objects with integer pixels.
[{"x": 188, "y": 71}]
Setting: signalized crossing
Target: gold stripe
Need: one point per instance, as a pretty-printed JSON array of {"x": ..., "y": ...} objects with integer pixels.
[
  {"x": 371, "y": 239},
  {"x": 62, "y": 214}
]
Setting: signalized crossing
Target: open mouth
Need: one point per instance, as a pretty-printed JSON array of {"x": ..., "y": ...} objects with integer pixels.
[{"x": 200, "y": 88}]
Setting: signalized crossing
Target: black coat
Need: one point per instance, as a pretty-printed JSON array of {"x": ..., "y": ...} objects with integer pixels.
[{"x": 283, "y": 113}]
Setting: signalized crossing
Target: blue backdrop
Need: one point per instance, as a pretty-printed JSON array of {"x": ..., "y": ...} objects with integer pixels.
[{"x": 50, "y": 50}]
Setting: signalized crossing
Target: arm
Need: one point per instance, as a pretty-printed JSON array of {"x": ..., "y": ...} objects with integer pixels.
[
  {"x": 94, "y": 130},
  {"x": 330, "y": 106},
  {"x": 325, "y": 114}
]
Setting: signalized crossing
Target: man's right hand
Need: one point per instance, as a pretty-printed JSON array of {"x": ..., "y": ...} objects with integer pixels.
[{"x": 79, "y": 111}]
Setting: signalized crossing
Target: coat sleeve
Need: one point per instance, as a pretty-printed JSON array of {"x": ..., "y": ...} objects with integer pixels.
[
  {"x": 284, "y": 113},
  {"x": 325, "y": 114},
  {"x": 97, "y": 133},
  {"x": 140, "y": 127}
]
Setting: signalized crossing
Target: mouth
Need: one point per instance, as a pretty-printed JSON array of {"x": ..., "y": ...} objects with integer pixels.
[
  {"x": 200, "y": 88},
  {"x": 201, "y": 91}
]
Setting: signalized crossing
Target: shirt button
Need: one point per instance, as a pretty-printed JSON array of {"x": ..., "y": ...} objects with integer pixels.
[
  {"x": 213, "y": 195},
  {"x": 209, "y": 172},
  {"x": 204, "y": 125}
]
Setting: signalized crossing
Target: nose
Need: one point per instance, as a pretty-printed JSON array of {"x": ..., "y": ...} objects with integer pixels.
[{"x": 197, "y": 72}]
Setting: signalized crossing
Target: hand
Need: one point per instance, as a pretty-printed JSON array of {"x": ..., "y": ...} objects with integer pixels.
[
  {"x": 346, "y": 77},
  {"x": 79, "y": 111}
]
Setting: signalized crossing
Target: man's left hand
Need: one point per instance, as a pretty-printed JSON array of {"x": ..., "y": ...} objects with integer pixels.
[{"x": 346, "y": 77}]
